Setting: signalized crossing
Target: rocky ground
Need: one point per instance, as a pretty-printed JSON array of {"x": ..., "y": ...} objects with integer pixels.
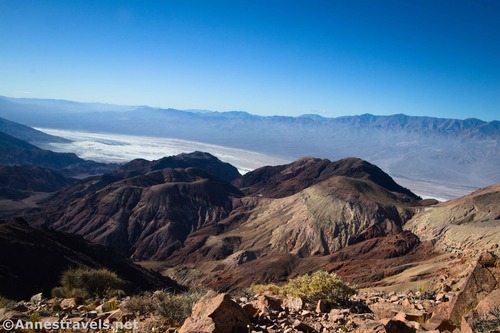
[{"x": 472, "y": 307}]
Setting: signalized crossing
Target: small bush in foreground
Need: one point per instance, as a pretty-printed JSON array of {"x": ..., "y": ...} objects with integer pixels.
[
  {"x": 139, "y": 305},
  {"x": 6, "y": 303},
  {"x": 175, "y": 308},
  {"x": 489, "y": 322},
  {"x": 260, "y": 288},
  {"x": 320, "y": 285},
  {"x": 85, "y": 282}
]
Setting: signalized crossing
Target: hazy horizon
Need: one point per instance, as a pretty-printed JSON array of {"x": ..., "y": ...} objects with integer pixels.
[
  {"x": 106, "y": 104},
  {"x": 437, "y": 59}
]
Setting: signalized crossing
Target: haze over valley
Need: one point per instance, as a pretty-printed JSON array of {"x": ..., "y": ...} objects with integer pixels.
[{"x": 441, "y": 158}]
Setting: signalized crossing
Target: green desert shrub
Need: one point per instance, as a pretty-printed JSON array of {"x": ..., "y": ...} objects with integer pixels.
[
  {"x": 86, "y": 282},
  {"x": 320, "y": 285},
  {"x": 171, "y": 308},
  {"x": 260, "y": 288},
  {"x": 6, "y": 303},
  {"x": 489, "y": 322},
  {"x": 175, "y": 308},
  {"x": 139, "y": 305}
]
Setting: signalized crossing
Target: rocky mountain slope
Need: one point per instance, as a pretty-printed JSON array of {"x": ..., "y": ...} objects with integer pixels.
[
  {"x": 464, "y": 225},
  {"x": 146, "y": 214},
  {"x": 27, "y": 133},
  {"x": 282, "y": 221},
  {"x": 284, "y": 180},
  {"x": 32, "y": 261},
  {"x": 269, "y": 239},
  {"x": 20, "y": 182}
]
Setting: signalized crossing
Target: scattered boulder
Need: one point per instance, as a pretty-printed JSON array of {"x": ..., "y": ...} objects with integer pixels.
[
  {"x": 68, "y": 303},
  {"x": 250, "y": 310},
  {"x": 266, "y": 303},
  {"x": 370, "y": 326},
  {"x": 395, "y": 325},
  {"x": 216, "y": 313},
  {"x": 107, "y": 306},
  {"x": 303, "y": 327},
  {"x": 481, "y": 281},
  {"x": 36, "y": 298},
  {"x": 321, "y": 307},
  {"x": 293, "y": 303}
]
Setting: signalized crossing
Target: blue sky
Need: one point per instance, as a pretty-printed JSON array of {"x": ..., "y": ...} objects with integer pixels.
[{"x": 426, "y": 57}]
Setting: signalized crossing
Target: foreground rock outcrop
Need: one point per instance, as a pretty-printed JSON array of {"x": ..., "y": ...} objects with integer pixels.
[
  {"x": 216, "y": 313},
  {"x": 483, "y": 280}
]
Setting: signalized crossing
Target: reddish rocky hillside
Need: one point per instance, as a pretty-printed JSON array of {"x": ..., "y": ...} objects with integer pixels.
[
  {"x": 147, "y": 216},
  {"x": 282, "y": 221},
  {"x": 191, "y": 224}
]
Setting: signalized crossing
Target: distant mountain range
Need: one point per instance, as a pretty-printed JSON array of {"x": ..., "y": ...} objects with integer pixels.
[{"x": 433, "y": 150}]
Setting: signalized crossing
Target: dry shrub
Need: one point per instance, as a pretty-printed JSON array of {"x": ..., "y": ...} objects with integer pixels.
[
  {"x": 260, "y": 288},
  {"x": 320, "y": 285},
  {"x": 175, "y": 308},
  {"x": 6, "y": 303},
  {"x": 86, "y": 282},
  {"x": 172, "y": 309},
  {"x": 139, "y": 305},
  {"x": 489, "y": 322}
]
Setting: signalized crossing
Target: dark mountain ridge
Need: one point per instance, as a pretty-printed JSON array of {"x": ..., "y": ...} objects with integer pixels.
[
  {"x": 144, "y": 216},
  {"x": 32, "y": 261},
  {"x": 19, "y": 182},
  {"x": 27, "y": 133},
  {"x": 204, "y": 161},
  {"x": 14, "y": 151},
  {"x": 284, "y": 180}
]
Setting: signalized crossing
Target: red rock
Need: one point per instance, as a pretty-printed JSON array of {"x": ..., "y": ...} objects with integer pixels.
[
  {"x": 306, "y": 313},
  {"x": 397, "y": 326},
  {"x": 216, "y": 313},
  {"x": 303, "y": 327},
  {"x": 268, "y": 303},
  {"x": 293, "y": 303},
  {"x": 441, "y": 297},
  {"x": 406, "y": 302},
  {"x": 68, "y": 303},
  {"x": 321, "y": 307},
  {"x": 370, "y": 326},
  {"x": 488, "y": 303},
  {"x": 250, "y": 310},
  {"x": 481, "y": 281}
]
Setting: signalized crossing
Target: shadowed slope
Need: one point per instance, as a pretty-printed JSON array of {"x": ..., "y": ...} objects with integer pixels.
[
  {"x": 32, "y": 261},
  {"x": 18, "y": 152},
  {"x": 19, "y": 182},
  {"x": 284, "y": 180},
  {"x": 146, "y": 216},
  {"x": 204, "y": 161}
]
